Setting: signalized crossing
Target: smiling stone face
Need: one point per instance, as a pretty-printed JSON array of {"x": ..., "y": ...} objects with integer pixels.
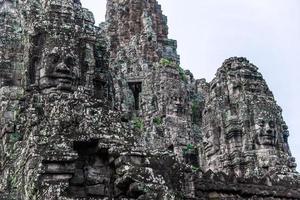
[
  {"x": 211, "y": 142},
  {"x": 59, "y": 69},
  {"x": 267, "y": 126},
  {"x": 243, "y": 127},
  {"x": 266, "y": 133}
]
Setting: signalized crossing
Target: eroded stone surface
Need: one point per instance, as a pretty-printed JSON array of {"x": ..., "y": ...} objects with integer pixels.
[
  {"x": 107, "y": 112},
  {"x": 243, "y": 128}
]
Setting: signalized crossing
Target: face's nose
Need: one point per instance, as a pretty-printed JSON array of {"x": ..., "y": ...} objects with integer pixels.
[
  {"x": 271, "y": 125},
  {"x": 62, "y": 68}
]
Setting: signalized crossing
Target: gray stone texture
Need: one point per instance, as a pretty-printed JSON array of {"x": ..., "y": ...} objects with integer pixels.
[{"x": 106, "y": 112}]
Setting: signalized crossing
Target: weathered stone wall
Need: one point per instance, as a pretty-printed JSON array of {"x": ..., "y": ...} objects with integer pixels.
[
  {"x": 107, "y": 112},
  {"x": 10, "y": 44},
  {"x": 243, "y": 128},
  {"x": 151, "y": 88}
]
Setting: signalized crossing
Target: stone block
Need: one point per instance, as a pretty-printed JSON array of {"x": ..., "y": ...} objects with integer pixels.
[
  {"x": 78, "y": 178},
  {"x": 60, "y": 168},
  {"x": 97, "y": 175},
  {"x": 97, "y": 190}
]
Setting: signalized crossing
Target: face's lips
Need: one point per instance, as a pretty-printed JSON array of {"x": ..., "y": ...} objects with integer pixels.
[
  {"x": 64, "y": 72},
  {"x": 207, "y": 147},
  {"x": 63, "y": 76},
  {"x": 64, "y": 81},
  {"x": 267, "y": 134},
  {"x": 267, "y": 137}
]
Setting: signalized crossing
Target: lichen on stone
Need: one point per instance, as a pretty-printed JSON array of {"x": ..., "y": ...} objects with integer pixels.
[{"x": 106, "y": 112}]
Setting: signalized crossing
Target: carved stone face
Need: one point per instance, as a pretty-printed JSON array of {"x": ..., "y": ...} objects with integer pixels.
[
  {"x": 59, "y": 69},
  {"x": 285, "y": 133},
  {"x": 233, "y": 128},
  {"x": 266, "y": 133},
  {"x": 211, "y": 143}
]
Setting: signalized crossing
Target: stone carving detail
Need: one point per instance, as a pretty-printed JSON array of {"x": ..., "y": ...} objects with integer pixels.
[
  {"x": 211, "y": 142},
  {"x": 64, "y": 57},
  {"x": 10, "y": 44},
  {"x": 93, "y": 174},
  {"x": 59, "y": 68},
  {"x": 250, "y": 124},
  {"x": 106, "y": 112}
]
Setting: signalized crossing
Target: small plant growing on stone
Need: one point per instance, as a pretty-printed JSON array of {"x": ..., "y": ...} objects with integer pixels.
[
  {"x": 138, "y": 123},
  {"x": 196, "y": 113},
  {"x": 195, "y": 107},
  {"x": 15, "y": 137},
  {"x": 188, "y": 148},
  {"x": 157, "y": 121},
  {"x": 195, "y": 169},
  {"x": 181, "y": 74},
  {"x": 12, "y": 181},
  {"x": 165, "y": 62}
]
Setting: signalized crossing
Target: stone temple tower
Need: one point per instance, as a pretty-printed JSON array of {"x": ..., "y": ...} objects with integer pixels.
[
  {"x": 243, "y": 127},
  {"x": 106, "y": 112},
  {"x": 150, "y": 86},
  {"x": 10, "y": 44}
]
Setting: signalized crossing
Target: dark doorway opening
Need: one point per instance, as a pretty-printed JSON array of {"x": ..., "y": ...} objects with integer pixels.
[
  {"x": 93, "y": 175},
  {"x": 136, "y": 88},
  {"x": 99, "y": 89},
  {"x": 32, "y": 70}
]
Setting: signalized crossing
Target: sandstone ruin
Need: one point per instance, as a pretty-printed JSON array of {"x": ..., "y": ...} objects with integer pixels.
[{"x": 106, "y": 112}]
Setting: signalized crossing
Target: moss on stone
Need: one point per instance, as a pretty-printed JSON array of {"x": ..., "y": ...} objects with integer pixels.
[
  {"x": 15, "y": 137},
  {"x": 165, "y": 62},
  {"x": 181, "y": 73},
  {"x": 138, "y": 123},
  {"x": 157, "y": 121},
  {"x": 188, "y": 148}
]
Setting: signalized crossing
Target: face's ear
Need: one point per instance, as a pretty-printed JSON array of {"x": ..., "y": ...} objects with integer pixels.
[
  {"x": 253, "y": 146},
  {"x": 276, "y": 138},
  {"x": 255, "y": 139}
]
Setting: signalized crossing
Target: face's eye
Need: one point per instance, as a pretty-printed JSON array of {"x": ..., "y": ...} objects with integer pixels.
[
  {"x": 285, "y": 127},
  {"x": 262, "y": 123},
  {"x": 207, "y": 135},
  {"x": 271, "y": 124},
  {"x": 69, "y": 61},
  {"x": 54, "y": 58}
]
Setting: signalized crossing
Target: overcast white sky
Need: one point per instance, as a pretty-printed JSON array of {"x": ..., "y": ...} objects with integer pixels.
[{"x": 267, "y": 32}]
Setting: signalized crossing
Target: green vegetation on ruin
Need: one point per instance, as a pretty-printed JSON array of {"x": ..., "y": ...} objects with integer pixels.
[
  {"x": 15, "y": 137},
  {"x": 157, "y": 121},
  {"x": 167, "y": 62},
  {"x": 189, "y": 148},
  {"x": 138, "y": 123}
]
